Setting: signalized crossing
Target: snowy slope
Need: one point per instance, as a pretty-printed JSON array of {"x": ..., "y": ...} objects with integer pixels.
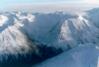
[{"x": 82, "y": 56}]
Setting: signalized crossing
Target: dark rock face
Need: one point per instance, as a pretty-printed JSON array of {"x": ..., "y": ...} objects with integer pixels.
[{"x": 48, "y": 52}]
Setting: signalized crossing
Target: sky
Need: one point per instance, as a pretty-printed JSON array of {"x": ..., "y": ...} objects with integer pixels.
[
  {"x": 6, "y": 3},
  {"x": 44, "y": 1}
]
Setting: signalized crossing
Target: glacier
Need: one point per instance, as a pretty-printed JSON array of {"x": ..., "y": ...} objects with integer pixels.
[{"x": 28, "y": 38}]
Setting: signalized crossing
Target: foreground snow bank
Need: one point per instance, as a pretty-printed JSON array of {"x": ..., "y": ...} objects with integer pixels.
[{"x": 82, "y": 56}]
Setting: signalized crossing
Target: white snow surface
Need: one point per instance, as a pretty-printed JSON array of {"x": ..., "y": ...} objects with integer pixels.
[{"x": 82, "y": 56}]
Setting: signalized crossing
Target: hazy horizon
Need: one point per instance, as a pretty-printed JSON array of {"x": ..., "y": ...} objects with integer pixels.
[
  {"x": 39, "y": 5},
  {"x": 50, "y": 7}
]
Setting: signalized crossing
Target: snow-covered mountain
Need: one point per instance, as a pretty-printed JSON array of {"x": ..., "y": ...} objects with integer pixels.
[
  {"x": 86, "y": 53},
  {"x": 37, "y": 35},
  {"x": 61, "y": 29}
]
